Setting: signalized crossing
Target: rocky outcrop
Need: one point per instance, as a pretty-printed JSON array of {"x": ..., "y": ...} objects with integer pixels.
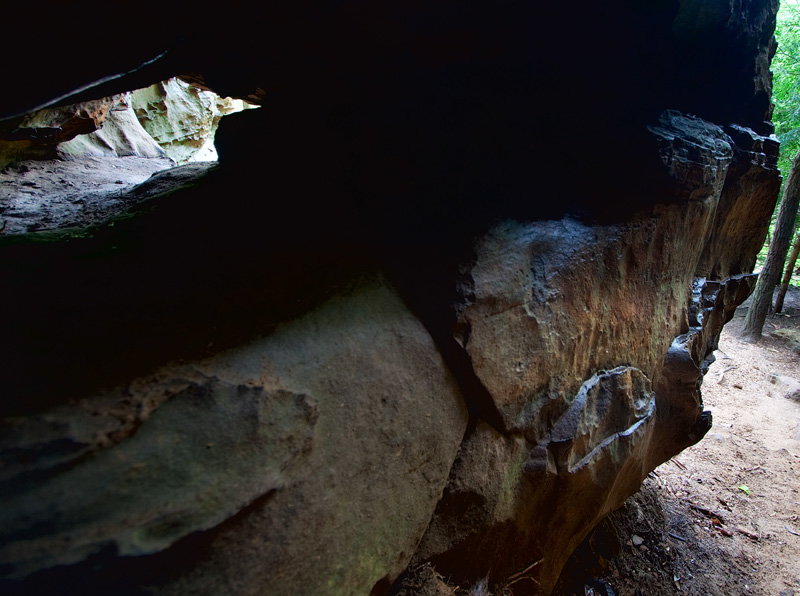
[
  {"x": 37, "y": 135},
  {"x": 549, "y": 301},
  {"x": 182, "y": 118},
  {"x": 103, "y": 128},
  {"x": 170, "y": 118},
  {"x": 414, "y": 326},
  {"x": 121, "y": 135},
  {"x": 747, "y": 201},
  {"x": 341, "y": 427}
]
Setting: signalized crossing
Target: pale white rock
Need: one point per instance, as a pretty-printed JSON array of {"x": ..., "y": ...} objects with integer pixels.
[
  {"x": 120, "y": 135},
  {"x": 183, "y": 118}
]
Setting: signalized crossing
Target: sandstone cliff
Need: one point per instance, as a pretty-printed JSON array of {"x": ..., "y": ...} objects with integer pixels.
[{"x": 447, "y": 299}]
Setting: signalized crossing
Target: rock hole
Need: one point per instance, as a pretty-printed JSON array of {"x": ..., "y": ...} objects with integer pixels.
[{"x": 75, "y": 165}]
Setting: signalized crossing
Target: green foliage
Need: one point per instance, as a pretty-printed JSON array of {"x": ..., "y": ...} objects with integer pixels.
[
  {"x": 786, "y": 97},
  {"x": 786, "y": 83}
]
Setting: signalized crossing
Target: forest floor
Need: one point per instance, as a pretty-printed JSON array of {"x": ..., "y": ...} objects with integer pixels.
[{"x": 721, "y": 518}]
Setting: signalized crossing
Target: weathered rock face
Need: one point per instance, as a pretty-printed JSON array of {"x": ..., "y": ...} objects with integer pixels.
[
  {"x": 37, "y": 135},
  {"x": 550, "y": 301},
  {"x": 120, "y": 135},
  {"x": 183, "y": 118},
  {"x": 340, "y": 427},
  {"x": 579, "y": 410},
  {"x": 52, "y": 194},
  {"x": 170, "y": 118},
  {"x": 412, "y": 321},
  {"x": 747, "y": 199},
  {"x": 102, "y": 128}
]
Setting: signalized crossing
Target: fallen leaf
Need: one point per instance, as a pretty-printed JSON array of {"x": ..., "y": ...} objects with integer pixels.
[{"x": 744, "y": 488}]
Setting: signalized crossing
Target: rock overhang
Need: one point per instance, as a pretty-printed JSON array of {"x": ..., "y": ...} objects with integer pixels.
[{"x": 539, "y": 270}]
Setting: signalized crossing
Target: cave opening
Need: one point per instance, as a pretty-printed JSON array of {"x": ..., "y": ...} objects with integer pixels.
[{"x": 77, "y": 165}]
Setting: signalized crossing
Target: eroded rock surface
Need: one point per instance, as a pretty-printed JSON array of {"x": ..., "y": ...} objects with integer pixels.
[
  {"x": 342, "y": 426},
  {"x": 40, "y": 195},
  {"x": 549, "y": 301},
  {"x": 120, "y": 135},
  {"x": 145, "y": 496},
  {"x": 414, "y": 326},
  {"x": 37, "y": 135},
  {"x": 182, "y": 118}
]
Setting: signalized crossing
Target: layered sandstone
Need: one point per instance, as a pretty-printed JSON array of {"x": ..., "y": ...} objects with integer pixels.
[{"x": 441, "y": 305}]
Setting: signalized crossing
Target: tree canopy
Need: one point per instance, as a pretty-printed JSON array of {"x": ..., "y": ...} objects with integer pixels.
[
  {"x": 786, "y": 83},
  {"x": 786, "y": 117}
]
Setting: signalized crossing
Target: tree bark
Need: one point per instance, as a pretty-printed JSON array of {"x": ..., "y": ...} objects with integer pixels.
[
  {"x": 787, "y": 276},
  {"x": 776, "y": 255}
]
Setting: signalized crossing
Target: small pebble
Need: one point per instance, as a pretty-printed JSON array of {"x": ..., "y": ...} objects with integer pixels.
[{"x": 637, "y": 540}]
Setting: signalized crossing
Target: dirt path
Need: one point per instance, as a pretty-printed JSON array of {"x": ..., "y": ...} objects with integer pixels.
[{"x": 722, "y": 517}]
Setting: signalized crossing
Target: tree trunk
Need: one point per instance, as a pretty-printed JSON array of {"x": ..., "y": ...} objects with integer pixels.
[
  {"x": 776, "y": 255},
  {"x": 787, "y": 277}
]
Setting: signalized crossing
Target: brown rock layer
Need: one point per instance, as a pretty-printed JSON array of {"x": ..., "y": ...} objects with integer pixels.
[
  {"x": 550, "y": 301},
  {"x": 37, "y": 135}
]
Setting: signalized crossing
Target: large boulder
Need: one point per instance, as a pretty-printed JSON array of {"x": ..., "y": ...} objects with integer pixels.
[
  {"x": 329, "y": 441},
  {"x": 441, "y": 307},
  {"x": 570, "y": 330}
]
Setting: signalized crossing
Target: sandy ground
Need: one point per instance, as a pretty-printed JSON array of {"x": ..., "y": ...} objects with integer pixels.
[{"x": 721, "y": 518}]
